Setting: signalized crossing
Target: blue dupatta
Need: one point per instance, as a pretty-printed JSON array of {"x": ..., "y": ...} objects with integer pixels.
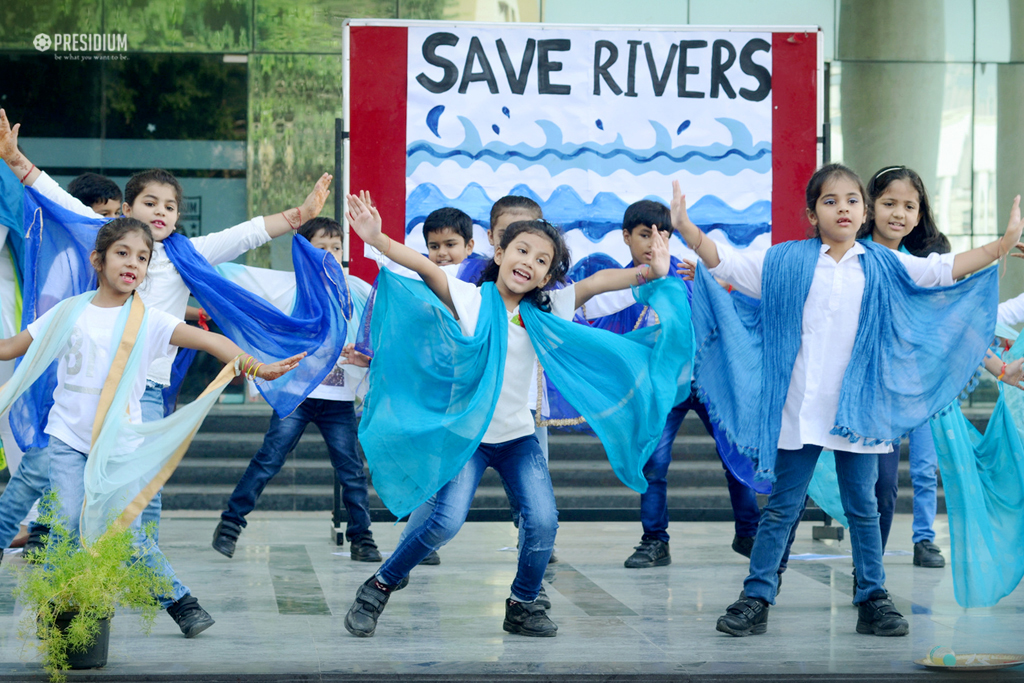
[{"x": 900, "y": 372}]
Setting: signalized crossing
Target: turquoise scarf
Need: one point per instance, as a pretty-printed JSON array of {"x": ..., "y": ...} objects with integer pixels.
[{"x": 433, "y": 390}]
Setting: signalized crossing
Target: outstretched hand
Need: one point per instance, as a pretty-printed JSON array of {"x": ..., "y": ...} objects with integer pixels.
[
  {"x": 274, "y": 370},
  {"x": 687, "y": 269},
  {"x": 1015, "y": 373},
  {"x": 316, "y": 199},
  {"x": 1011, "y": 238},
  {"x": 8, "y": 138},
  {"x": 680, "y": 219},
  {"x": 364, "y": 218},
  {"x": 660, "y": 262},
  {"x": 352, "y": 357}
]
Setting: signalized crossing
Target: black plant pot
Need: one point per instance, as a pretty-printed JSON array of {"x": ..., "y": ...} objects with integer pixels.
[{"x": 95, "y": 655}]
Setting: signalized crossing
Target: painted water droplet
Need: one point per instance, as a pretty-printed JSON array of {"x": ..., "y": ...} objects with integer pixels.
[
  {"x": 433, "y": 118},
  {"x": 497, "y": 131},
  {"x": 600, "y": 124},
  {"x": 504, "y": 110},
  {"x": 683, "y": 126}
]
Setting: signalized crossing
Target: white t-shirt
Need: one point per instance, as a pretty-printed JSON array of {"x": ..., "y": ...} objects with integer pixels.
[
  {"x": 85, "y": 362},
  {"x": 512, "y": 418},
  {"x": 163, "y": 289}
]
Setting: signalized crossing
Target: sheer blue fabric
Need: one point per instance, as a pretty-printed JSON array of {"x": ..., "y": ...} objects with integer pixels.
[
  {"x": 983, "y": 481},
  {"x": 55, "y": 267},
  {"x": 624, "y": 385},
  {"x": 432, "y": 389},
  {"x": 900, "y": 372},
  {"x": 11, "y": 194},
  {"x": 317, "y": 324}
]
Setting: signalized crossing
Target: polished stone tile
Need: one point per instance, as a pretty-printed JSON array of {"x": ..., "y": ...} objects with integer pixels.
[{"x": 281, "y": 601}]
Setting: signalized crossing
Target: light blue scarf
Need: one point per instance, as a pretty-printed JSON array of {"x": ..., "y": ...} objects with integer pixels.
[
  {"x": 900, "y": 373},
  {"x": 433, "y": 390}
]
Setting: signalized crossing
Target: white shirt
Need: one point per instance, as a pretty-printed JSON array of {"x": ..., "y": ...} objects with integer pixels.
[
  {"x": 163, "y": 289},
  {"x": 83, "y": 366},
  {"x": 1011, "y": 311},
  {"x": 512, "y": 418},
  {"x": 829, "y": 327}
]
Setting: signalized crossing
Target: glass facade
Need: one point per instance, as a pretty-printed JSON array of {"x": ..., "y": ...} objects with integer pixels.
[{"x": 239, "y": 97}]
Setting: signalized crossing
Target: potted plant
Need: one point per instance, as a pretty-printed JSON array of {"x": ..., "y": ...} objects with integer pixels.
[{"x": 71, "y": 595}]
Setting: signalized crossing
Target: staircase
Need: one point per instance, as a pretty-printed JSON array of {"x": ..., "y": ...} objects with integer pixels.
[{"x": 580, "y": 472}]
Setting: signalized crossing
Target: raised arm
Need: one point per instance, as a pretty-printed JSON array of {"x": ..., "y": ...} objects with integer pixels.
[
  {"x": 225, "y": 350},
  {"x": 613, "y": 279},
  {"x": 19, "y": 164},
  {"x": 365, "y": 220},
  {"x": 974, "y": 260},
  {"x": 286, "y": 221},
  {"x": 16, "y": 346},
  {"x": 695, "y": 239}
]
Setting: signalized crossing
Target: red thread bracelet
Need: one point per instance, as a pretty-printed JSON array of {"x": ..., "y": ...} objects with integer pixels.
[{"x": 27, "y": 174}]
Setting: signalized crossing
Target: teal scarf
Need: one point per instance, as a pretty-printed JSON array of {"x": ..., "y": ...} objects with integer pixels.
[
  {"x": 916, "y": 348},
  {"x": 433, "y": 390}
]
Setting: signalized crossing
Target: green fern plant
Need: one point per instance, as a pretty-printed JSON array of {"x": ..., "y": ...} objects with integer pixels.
[{"x": 90, "y": 583}]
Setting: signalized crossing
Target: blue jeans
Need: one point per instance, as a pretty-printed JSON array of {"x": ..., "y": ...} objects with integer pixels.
[
  {"x": 67, "y": 476},
  {"x": 857, "y": 473},
  {"x": 337, "y": 423},
  {"x": 923, "y": 465},
  {"x": 886, "y": 490},
  {"x": 654, "y": 502},
  {"x": 521, "y": 465},
  {"x": 27, "y": 485},
  {"x": 152, "y": 404}
]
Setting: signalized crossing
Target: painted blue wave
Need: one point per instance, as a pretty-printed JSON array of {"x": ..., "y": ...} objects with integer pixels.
[
  {"x": 604, "y": 159},
  {"x": 594, "y": 219}
]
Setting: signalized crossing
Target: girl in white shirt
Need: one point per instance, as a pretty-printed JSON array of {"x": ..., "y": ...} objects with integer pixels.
[
  {"x": 121, "y": 260},
  {"x": 830, "y": 318},
  {"x": 531, "y": 254}
]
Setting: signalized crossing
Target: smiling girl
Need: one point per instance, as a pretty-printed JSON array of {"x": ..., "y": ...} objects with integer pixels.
[
  {"x": 849, "y": 362},
  {"x": 121, "y": 259},
  {"x": 511, "y": 302}
]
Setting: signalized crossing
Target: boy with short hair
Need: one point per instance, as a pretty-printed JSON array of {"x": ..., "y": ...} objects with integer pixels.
[
  {"x": 331, "y": 408},
  {"x": 99, "y": 193},
  {"x": 639, "y": 222},
  {"x": 448, "y": 233}
]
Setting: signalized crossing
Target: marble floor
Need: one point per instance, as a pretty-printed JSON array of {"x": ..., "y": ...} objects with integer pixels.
[{"x": 281, "y": 601}]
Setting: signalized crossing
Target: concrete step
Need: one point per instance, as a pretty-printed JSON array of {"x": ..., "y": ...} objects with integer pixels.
[{"x": 312, "y": 498}]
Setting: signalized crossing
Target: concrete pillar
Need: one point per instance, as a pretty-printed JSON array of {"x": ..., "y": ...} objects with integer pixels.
[
  {"x": 892, "y": 111},
  {"x": 1010, "y": 141}
]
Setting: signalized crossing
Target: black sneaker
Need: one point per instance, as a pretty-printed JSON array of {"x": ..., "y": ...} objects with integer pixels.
[
  {"x": 650, "y": 553},
  {"x": 745, "y": 617},
  {"x": 190, "y": 617},
  {"x": 432, "y": 559},
  {"x": 927, "y": 554},
  {"x": 743, "y": 545},
  {"x": 878, "y": 616},
  {"x": 225, "y": 536},
  {"x": 553, "y": 559},
  {"x": 371, "y": 598},
  {"x": 363, "y": 548},
  {"x": 36, "y": 543},
  {"x": 543, "y": 600},
  {"x": 528, "y": 619}
]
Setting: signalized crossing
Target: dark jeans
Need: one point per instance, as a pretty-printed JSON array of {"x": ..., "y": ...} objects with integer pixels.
[
  {"x": 654, "y": 502},
  {"x": 337, "y": 422}
]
